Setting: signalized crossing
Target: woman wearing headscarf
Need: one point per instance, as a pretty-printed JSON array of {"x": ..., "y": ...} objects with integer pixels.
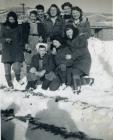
[
  {"x": 79, "y": 54},
  {"x": 12, "y": 51}
]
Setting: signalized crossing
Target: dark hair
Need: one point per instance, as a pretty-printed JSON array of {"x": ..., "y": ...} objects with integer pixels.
[
  {"x": 42, "y": 46},
  {"x": 40, "y": 7},
  {"x": 58, "y": 10},
  {"x": 14, "y": 15},
  {"x": 33, "y": 12},
  {"x": 75, "y": 31},
  {"x": 58, "y": 38},
  {"x": 66, "y": 4},
  {"x": 79, "y": 10}
]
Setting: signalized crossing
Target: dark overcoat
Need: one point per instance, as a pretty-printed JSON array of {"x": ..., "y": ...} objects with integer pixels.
[
  {"x": 54, "y": 29},
  {"x": 12, "y": 52},
  {"x": 47, "y": 64},
  {"x": 80, "y": 53},
  {"x": 60, "y": 57},
  {"x": 84, "y": 27}
]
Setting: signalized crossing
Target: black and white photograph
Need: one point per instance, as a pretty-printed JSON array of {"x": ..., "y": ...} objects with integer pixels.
[{"x": 56, "y": 69}]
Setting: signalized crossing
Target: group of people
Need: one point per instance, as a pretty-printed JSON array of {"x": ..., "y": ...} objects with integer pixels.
[{"x": 52, "y": 45}]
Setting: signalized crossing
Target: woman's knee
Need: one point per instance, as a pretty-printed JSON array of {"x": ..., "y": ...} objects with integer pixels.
[{"x": 55, "y": 84}]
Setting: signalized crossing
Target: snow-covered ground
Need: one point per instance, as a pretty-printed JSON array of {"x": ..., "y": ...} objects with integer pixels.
[{"x": 91, "y": 111}]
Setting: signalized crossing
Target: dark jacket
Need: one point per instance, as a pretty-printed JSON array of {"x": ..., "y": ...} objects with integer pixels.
[
  {"x": 26, "y": 31},
  {"x": 12, "y": 52},
  {"x": 67, "y": 19},
  {"x": 84, "y": 27},
  {"x": 80, "y": 53},
  {"x": 56, "y": 29},
  {"x": 47, "y": 63},
  {"x": 59, "y": 58}
]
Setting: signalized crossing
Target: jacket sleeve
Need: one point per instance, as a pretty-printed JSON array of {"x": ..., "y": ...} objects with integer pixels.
[
  {"x": 21, "y": 42},
  {"x": 81, "y": 45},
  {"x": 2, "y": 34},
  {"x": 34, "y": 62},
  {"x": 87, "y": 29},
  {"x": 50, "y": 65},
  {"x": 25, "y": 32},
  {"x": 42, "y": 31}
]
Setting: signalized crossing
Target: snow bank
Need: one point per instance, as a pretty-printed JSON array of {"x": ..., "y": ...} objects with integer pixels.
[
  {"x": 91, "y": 111},
  {"x": 102, "y": 62}
]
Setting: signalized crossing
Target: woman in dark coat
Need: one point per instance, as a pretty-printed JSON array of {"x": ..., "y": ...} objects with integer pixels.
[
  {"x": 79, "y": 54},
  {"x": 12, "y": 51},
  {"x": 81, "y": 22},
  {"x": 63, "y": 65}
]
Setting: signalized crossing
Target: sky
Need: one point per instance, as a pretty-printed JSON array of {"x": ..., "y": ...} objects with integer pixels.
[{"x": 98, "y": 6}]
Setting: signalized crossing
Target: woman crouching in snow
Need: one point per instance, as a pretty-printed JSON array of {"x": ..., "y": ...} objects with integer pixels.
[
  {"x": 12, "y": 50},
  {"x": 79, "y": 54}
]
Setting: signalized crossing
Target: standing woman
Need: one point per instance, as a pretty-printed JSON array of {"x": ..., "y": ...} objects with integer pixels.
[
  {"x": 33, "y": 33},
  {"x": 79, "y": 54},
  {"x": 12, "y": 47},
  {"x": 54, "y": 23},
  {"x": 81, "y": 22}
]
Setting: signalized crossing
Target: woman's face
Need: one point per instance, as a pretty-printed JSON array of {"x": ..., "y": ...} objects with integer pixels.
[
  {"x": 53, "y": 11},
  {"x": 11, "y": 20},
  {"x": 56, "y": 43},
  {"x": 69, "y": 33},
  {"x": 76, "y": 14},
  {"x": 33, "y": 17}
]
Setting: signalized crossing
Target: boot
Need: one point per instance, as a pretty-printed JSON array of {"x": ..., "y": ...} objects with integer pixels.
[
  {"x": 76, "y": 86},
  {"x": 9, "y": 80}
]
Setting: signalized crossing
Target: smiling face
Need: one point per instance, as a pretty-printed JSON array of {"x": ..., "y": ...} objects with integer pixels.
[
  {"x": 69, "y": 33},
  {"x": 53, "y": 11},
  {"x": 42, "y": 51},
  {"x": 33, "y": 17},
  {"x": 56, "y": 43},
  {"x": 75, "y": 14}
]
